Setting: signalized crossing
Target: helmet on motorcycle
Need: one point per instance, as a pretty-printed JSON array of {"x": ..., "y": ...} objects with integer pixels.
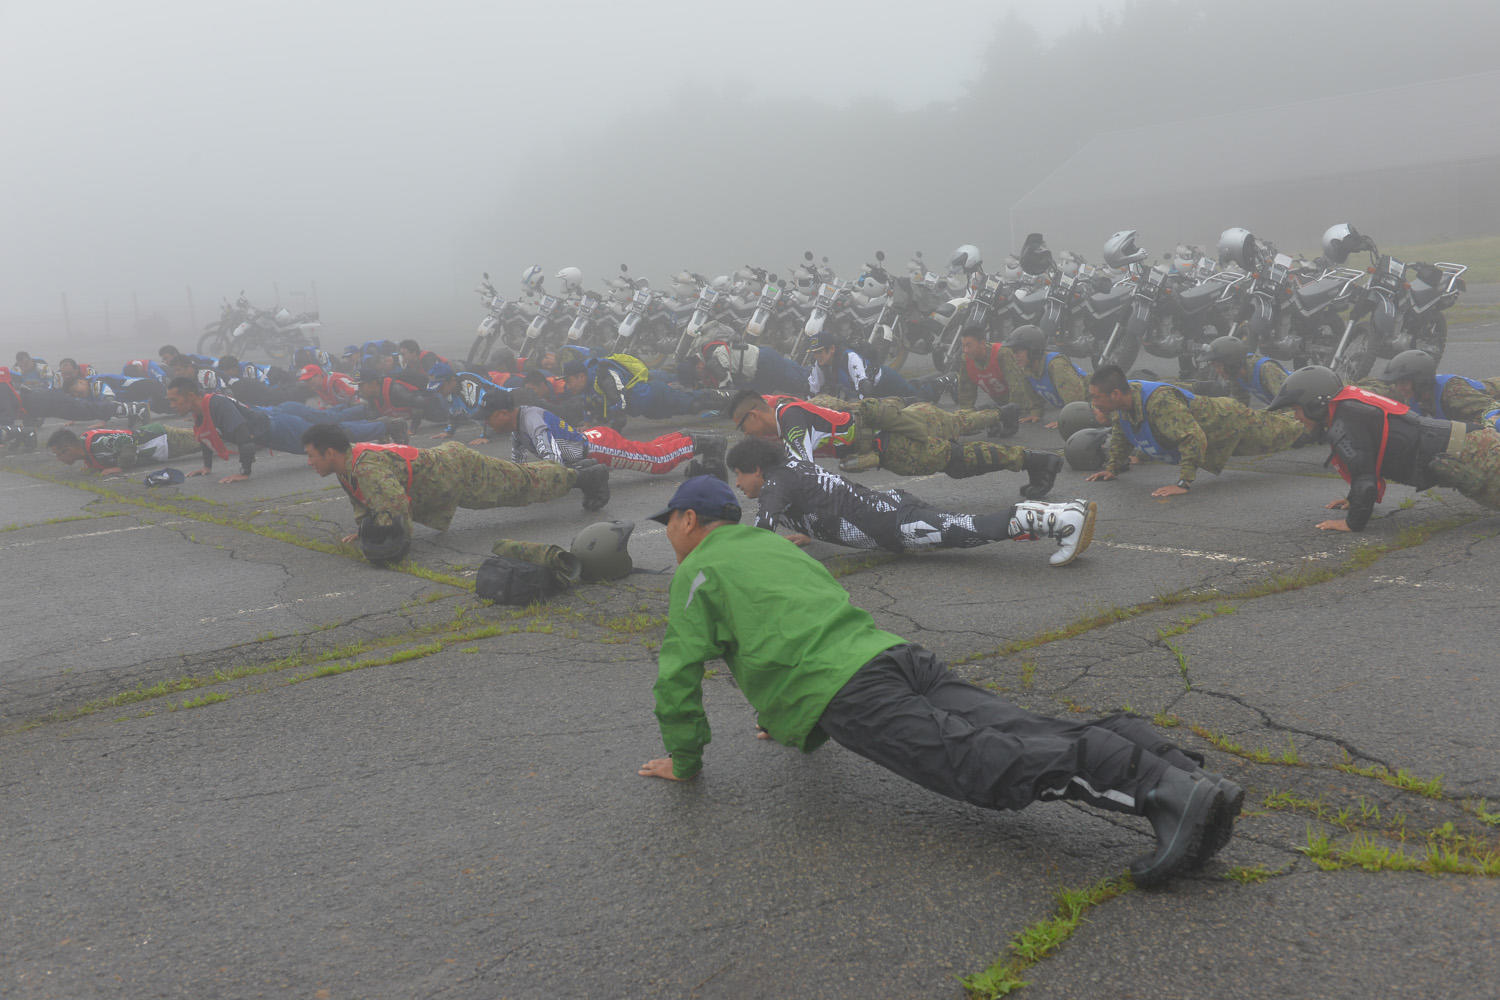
[
  {"x": 1071, "y": 263},
  {"x": 1035, "y": 258},
  {"x": 309, "y": 372},
  {"x": 383, "y": 543},
  {"x": 1310, "y": 388},
  {"x": 1237, "y": 246},
  {"x": 1340, "y": 240},
  {"x": 869, "y": 286},
  {"x": 571, "y": 277},
  {"x": 1030, "y": 339},
  {"x": 1228, "y": 351},
  {"x": 1120, "y": 250},
  {"x": 1074, "y": 417},
  {"x": 1087, "y": 449},
  {"x": 603, "y": 550},
  {"x": 532, "y": 277},
  {"x": 966, "y": 258},
  {"x": 1415, "y": 365},
  {"x": 721, "y": 283},
  {"x": 283, "y": 316}
]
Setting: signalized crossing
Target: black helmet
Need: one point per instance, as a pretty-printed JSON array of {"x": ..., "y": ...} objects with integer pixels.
[
  {"x": 383, "y": 543},
  {"x": 1310, "y": 388},
  {"x": 603, "y": 550},
  {"x": 1086, "y": 450},
  {"x": 1227, "y": 350},
  {"x": 1074, "y": 417},
  {"x": 1030, "y": 339},
  {"x": 1415, "y": 365},
  {"x": 1034, "y": 257}
]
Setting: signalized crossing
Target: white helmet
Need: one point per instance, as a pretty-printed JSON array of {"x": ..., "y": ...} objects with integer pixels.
[
  {"x": 571, "y": 277},
  {"x": 1237, "y": 245},
  {"x": 965, "y": 258},
  {"x": 532, "y": 277},
  {"x": 869, "y": 286},
  {"x": 721, "y": 283},
  {"x": 1341, "y": 240},
  {"x": 1120, "y": 250},
  {"x": 1072, "y": 263}
]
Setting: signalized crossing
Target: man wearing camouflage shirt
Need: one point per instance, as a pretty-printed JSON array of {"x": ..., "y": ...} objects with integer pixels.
[
  {"x": 109, "y": 451},
  {"x": 1170, "y": 424},
  {"x": 1413, "y": 378},
  {"x": 394, "y": 485}
]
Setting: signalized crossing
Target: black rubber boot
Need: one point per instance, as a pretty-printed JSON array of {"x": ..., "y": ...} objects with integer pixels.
[
  {"x": 593, "y": 483},
  {"x": 396, "y": 430},
  {"x": 1042, "y": 467},
  {"x": 1179, "y": 808}
]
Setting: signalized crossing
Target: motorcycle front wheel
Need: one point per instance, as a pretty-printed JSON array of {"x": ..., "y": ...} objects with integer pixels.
[
  {"x": 1434, "y": 338},
  {"x": 1358, "y": 357},
  {"x": 479, "y": 353},
  {"x": 213, "y": 343}
]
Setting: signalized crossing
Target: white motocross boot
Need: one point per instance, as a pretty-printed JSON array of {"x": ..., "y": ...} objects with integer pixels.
[{"x": 1071, "y": 523}]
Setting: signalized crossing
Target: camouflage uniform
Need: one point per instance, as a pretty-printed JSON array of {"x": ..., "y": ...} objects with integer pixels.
[
  {"x": 444, "y": 478},
  {"x": 144, "y": 445},
  {"x": 1071, "y": 387},
  {"x": 921, "y": 439},
  {"x": 1461, "y": 402},
  {"x": 1272, "y": 374},
  {"x": 1018, "y": 390},
  {"x": 1474, "y": 470},
  {"x": 1204, "y": 432}
]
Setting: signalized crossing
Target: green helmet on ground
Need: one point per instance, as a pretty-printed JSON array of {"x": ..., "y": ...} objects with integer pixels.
[
  {"x": 603, "y": 550},
  {"x": 1310, "y": 388},
  {"x": 1074, "y": 417},
  {"x": 384, "y": 543},
  {"x": 1086, "y": 449},
  {"x": 1415, "y": 365}
]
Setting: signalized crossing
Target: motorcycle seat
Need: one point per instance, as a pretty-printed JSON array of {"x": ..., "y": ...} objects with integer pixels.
[
  {"x": 1422, "y": 293},
  {"x": 1316, "y": 294},
  {"x": 1199, "y": 298},
  {"x": 1101, "y": 302}
]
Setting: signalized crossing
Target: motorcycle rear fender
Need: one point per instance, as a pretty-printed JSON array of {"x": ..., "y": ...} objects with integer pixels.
[
  {"x": 814, "y": 325},
  {"x": 1383, "y": 318}
]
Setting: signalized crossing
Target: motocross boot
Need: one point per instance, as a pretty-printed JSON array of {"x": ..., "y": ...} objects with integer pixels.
[{"x": 1071, "y": 523}]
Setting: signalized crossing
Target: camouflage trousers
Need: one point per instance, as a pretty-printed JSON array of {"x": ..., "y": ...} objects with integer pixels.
[
  {"x": 458, "y": 476},
  {"x": 1245, "y": 431},
  {"x": 1473, "y": 470},
  {"x": 922, "y": 439}
]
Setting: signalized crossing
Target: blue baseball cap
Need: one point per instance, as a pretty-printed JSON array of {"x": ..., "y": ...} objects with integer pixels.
[{"x": 710, "y": 496}]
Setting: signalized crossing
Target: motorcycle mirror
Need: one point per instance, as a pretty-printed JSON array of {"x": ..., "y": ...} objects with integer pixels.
[
  {"x": 880, "y": 255},
  {"x": 624, "y": 268},
  {"x": 825, "y": 260},
  {"x": 771, "y": 278},
  {"x": 486, "y": 276},
  {"x": 807, "y": 255}
]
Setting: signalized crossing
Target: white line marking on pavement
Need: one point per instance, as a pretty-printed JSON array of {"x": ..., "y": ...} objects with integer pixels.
[
  {"x": 272, "y": 607},
  {"x": 87, "y": 534},
  {"x": 1226, "y": 557}
]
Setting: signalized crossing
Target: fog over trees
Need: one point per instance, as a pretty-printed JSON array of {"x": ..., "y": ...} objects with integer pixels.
[{"x": 393, "y": 194}]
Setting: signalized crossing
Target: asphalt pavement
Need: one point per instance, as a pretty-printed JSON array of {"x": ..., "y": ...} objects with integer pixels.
[{"x": 236, "y": 761}]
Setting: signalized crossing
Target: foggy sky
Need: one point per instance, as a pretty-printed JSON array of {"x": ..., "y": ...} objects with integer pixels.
[{"x": 168, "y": 143}]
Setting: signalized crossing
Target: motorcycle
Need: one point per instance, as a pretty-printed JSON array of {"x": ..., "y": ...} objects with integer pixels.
[
  {"x": 503, "y": 324},
  {"x": 218, "y": 335},
  {"x": 1296, "y": 317},
  {"x": 1407, "y": 313},
  {"x": 763, "y": 319},
  {"x": 703, "y": 311},
  {"x": 542, "y": 325}
]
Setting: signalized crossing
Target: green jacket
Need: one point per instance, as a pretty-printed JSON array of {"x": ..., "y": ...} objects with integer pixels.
[{"x": 779, "y": 620}]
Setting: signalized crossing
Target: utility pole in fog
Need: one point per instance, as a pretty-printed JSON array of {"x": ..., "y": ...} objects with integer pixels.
[
  {"x": 192, "y": 313},
  {"x": 67, "y": 323}
]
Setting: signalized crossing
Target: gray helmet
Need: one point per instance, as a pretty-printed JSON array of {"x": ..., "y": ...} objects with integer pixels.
[
  {"x": 1074, "y": 417},
  {"x": 1227, "y": 350},
  {"x": 1120, "y": 250},
  {"x": 1415, "y": 365},
  {"x": 603, "y": 550},
  {"x": 1237, "y": 246},
  {"x": 1310, "y": 388},
  {"x": 1340, "y": 240},
  {"x": 1030, "y": 339},
  {"x": 384, "y": 543},
  {"x": 1086, "y": 449}
]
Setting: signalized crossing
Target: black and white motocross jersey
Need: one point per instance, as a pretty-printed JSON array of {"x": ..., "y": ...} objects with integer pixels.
[{"x": 806, "y": 498}]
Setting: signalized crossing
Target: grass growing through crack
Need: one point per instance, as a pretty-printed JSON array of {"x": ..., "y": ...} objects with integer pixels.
[
  {"x": 1040, "y": 939},
  {"x": 1444, "y": 851},
  {"x": 1431, "y": 788},
  {"x": 1290, "y": 756}
]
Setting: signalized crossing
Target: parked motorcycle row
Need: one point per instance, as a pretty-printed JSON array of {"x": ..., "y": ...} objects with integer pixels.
[
  {"x": 1321, "y": 311},
  {"x": 245, "y": 331}
]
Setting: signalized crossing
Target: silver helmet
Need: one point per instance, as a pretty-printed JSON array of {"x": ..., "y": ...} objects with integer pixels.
[
  {"x": 1340, "y": 240},
  {"x": 1120, "y": 250},
  {"x": 1237, "y": 246},
  {"x": 966, "y": 258}
]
